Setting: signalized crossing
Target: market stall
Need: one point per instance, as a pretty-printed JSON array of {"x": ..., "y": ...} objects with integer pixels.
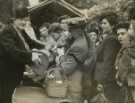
[{"x": 52, "y": 10}]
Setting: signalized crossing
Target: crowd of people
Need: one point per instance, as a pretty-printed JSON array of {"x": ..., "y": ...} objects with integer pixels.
[{"x": 97, "y": 58}]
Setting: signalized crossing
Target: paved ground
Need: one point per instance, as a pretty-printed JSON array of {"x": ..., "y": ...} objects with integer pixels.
[{"x": 32, "y": 95}]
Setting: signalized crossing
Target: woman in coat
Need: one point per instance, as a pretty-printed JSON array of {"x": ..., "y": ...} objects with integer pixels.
[
  {"x": 106, "y": 54},
  {"x": 15, "y": 53}
]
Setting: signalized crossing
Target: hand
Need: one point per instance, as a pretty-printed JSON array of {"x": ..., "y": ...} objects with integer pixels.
[
  {"x": 117, "y": 76},
  {"x": 100, "y": 87},
  {"x": 35, "y": 50},
  {"x": 44, "y": 51},
  {"x": 120, "y": 83},
  {"x": 35, "y": 57},
  {"x": 120, "y": 78}
]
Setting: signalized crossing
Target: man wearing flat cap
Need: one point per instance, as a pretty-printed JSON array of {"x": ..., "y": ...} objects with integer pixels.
[
  {"x": 15, "y": 53},
  {"x": 73, "y": 61}
]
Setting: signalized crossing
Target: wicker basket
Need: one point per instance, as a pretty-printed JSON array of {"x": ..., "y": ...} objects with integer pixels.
[{"x": 57, "y": 88}]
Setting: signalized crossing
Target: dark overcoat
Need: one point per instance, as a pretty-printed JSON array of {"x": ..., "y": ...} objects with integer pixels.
[
  {"x": 106, "y": 55},
  {"x": 13, "y": 54},
  {"x": 13, "y": 58}
]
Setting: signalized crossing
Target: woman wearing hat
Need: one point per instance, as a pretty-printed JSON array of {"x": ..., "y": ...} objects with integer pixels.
[{"x": 15, "y": 53}]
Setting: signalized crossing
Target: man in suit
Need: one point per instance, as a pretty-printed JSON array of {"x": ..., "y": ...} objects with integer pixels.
[{"x": 15, "y": 53}]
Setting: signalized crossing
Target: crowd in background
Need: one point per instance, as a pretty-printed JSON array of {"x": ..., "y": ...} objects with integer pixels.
[
  {"x": 108, "y": 63},
  {"x": 100, "y": 51},
  {"x": 97, "y": 58}
]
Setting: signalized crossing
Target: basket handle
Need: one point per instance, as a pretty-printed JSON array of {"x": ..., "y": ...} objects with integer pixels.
[{"x": 55, "y": 69}]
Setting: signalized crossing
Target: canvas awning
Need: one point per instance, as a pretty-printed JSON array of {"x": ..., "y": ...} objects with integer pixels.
[{"x": 51, "y": 10}]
